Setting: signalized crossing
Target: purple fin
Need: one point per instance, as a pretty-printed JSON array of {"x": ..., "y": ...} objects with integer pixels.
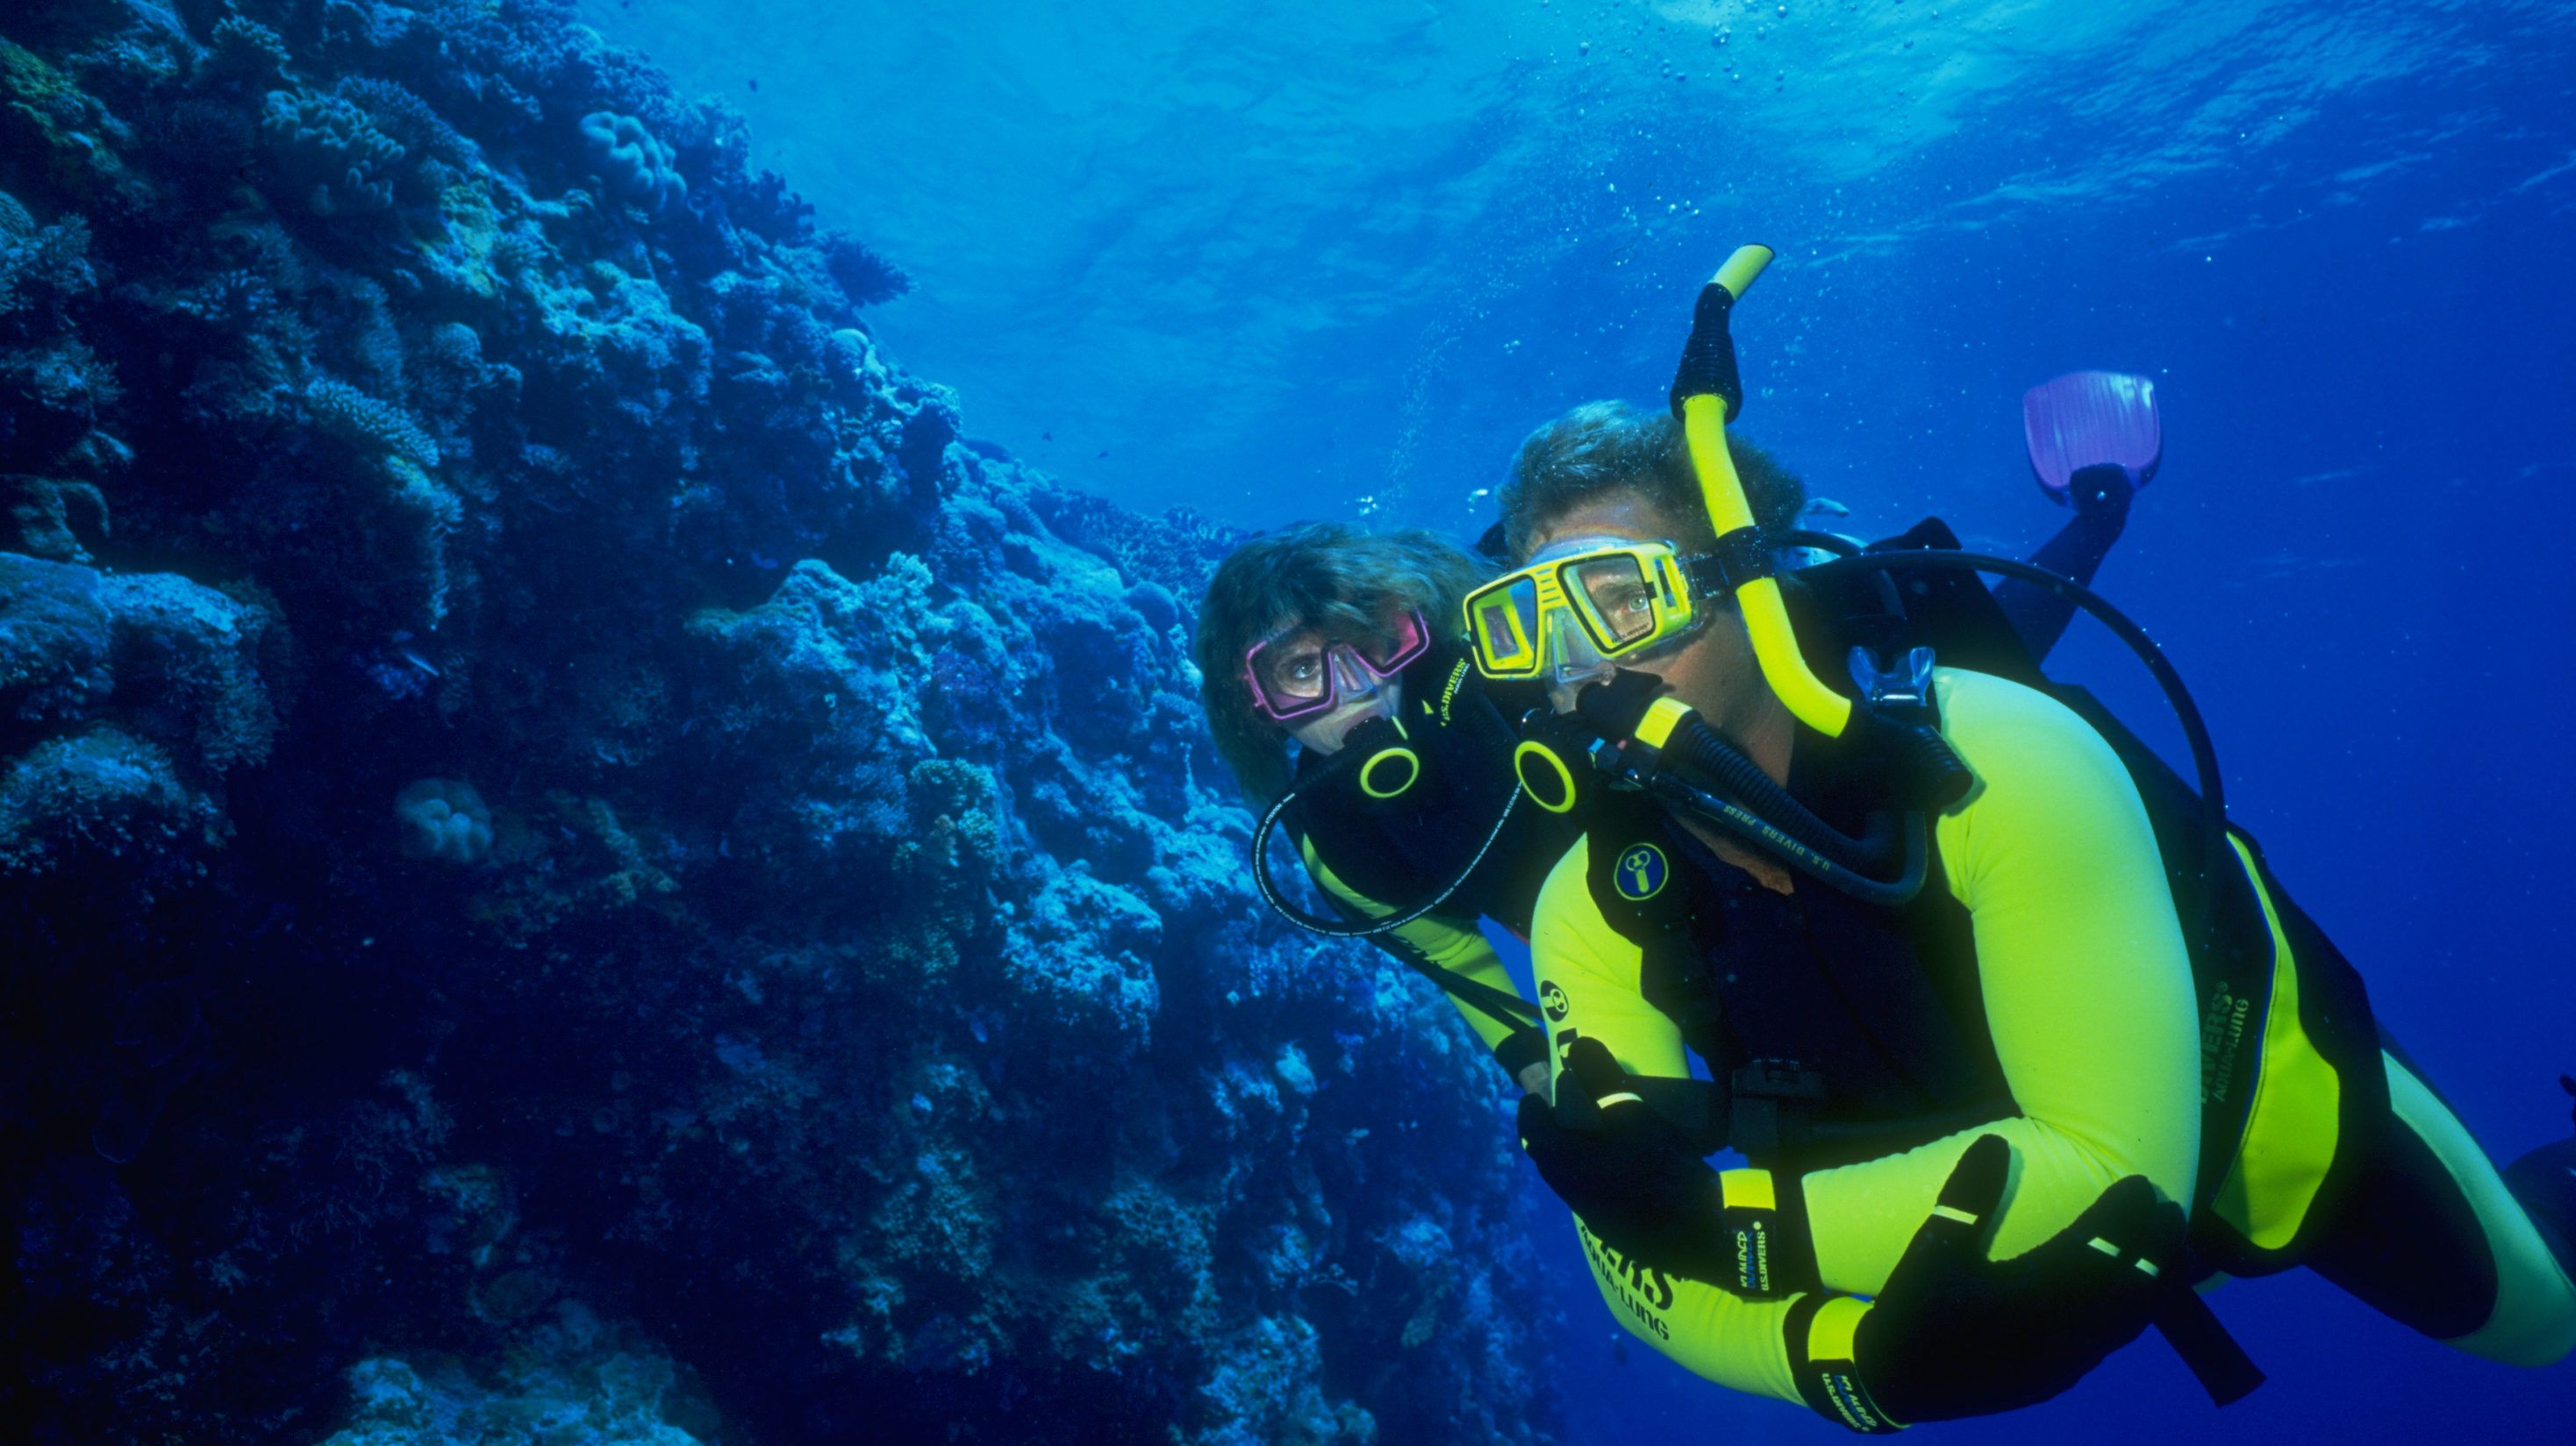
[{"x": 2085, "y": 419}]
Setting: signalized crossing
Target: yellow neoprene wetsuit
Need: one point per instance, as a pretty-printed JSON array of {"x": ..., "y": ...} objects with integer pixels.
[{"x": 2088, "y": 998}]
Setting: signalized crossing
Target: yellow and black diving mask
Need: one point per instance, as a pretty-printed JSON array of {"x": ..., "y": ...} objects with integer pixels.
[{"x": 1592, "y": 607}]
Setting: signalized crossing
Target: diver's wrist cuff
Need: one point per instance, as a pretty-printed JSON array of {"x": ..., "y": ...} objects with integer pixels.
[
  {"x": 1823, "y": 1332},
  {"x": 1519, "y": 1050},
  {"x": 1764, "y": 1215}
]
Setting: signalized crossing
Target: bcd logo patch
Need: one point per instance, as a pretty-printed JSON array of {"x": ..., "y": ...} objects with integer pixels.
[{"x": 1641, "y": 872}]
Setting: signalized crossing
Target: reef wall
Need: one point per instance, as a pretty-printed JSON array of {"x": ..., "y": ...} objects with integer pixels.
[{"x": 575, "y": 861}]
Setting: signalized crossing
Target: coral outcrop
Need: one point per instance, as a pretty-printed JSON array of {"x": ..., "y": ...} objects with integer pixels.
[
  {"x": 631, "y": 163},
  {"x": 328, "y": 156},
  {"x": 833, "y": 1009}
]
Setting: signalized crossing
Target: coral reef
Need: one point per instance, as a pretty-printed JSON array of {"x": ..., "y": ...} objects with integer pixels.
[
  {"x": 130, "y": 697},
  {"x": 444, "y": 818},
  {"x": 573, "y": 1378},
  {"x": 634, "y": 166},
  {"x": 834, "y": 1009},
  {"x": 328, "y": 155}
]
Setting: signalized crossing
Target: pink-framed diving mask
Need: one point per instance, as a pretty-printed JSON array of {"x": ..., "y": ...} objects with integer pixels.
[{"x": 1296, "y": 677}]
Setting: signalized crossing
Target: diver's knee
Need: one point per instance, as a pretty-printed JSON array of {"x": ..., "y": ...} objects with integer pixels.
[
  {"x": 2535, "y": 1315},
  {"x": 2544, "y": 1184}
]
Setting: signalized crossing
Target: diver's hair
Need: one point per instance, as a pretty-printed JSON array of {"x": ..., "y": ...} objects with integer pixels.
[
  {"x": 1604, "y": 447},
  {"x": 1331, "y": 576}
]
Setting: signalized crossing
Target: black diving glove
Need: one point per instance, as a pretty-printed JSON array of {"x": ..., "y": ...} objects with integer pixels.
[
  {"x": 1637, "y": 1184},
  {"x": 2102, "y": 492},
  {"x": 1956, "y": 1334}
]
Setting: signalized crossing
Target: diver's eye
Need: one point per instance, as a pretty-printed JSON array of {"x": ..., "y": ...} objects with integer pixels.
[
  {"x": 1627, "y": 610},
  {"x": 1618, "y": 595},
  {"x": 1296, "y": 674}
]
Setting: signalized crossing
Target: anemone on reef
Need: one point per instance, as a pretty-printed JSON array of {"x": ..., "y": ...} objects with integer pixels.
[{"x": 854, "y": 1022}]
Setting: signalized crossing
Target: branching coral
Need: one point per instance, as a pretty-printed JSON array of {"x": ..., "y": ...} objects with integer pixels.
[
  {"x": 411, "y": 122},
  {"x": 373, "y": 426},
  {"x": 246, "y": 52},
  {"x": 52, "y": 384},
  {"x": 401, "y": 455},
  {"x": 866, "y": 277},
  {"x": 41, "y": 268},
  {"x": 49, "y": 401}
]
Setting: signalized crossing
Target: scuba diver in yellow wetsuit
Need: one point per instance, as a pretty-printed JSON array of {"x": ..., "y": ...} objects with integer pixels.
[{"x": 1992, "y": 1002}]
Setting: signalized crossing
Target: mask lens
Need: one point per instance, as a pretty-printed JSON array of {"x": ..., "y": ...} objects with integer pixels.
[
  {"x": 1291, "y": 675},
  {"x": 1572, "y": 659},
  {"x": 1617, "y": 596},
  {"x": 1504, "y": 622},
  {"x": 1390, "y": 651}
]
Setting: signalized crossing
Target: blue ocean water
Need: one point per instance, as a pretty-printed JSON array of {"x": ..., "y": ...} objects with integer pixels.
[{"x": 1277, "y": 261}]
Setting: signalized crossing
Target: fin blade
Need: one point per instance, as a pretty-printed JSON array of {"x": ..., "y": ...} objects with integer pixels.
[{"x": 2085, "y": 419}]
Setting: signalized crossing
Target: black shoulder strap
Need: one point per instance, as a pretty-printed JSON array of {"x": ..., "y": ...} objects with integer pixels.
[{"x": 1835, "y": 606}]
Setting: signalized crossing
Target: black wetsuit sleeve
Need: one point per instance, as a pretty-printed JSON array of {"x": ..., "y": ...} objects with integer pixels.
[{"x": 2039, "y": 616}]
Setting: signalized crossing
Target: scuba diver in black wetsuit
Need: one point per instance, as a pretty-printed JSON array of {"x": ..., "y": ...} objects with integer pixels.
[
  {"x": 1989, "y": 996},
  {"x": 1399, "y": 794},
  {"x": 1416, "y": 830}
]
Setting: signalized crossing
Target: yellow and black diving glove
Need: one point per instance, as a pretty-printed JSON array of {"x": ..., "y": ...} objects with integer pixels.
[
  {"x": 1640, "y": 1186},
  {"x": 1957, "y": 1334}
]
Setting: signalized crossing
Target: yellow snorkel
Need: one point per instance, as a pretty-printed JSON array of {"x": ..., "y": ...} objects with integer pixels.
[{"x": 1706, "y": 396}]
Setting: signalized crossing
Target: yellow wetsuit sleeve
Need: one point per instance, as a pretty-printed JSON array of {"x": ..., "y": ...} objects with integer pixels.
[
  {"x": 2087, "y": 989},
  {"x": 1588, "y": 987},
  {"x": 1444, "y": 942}
]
